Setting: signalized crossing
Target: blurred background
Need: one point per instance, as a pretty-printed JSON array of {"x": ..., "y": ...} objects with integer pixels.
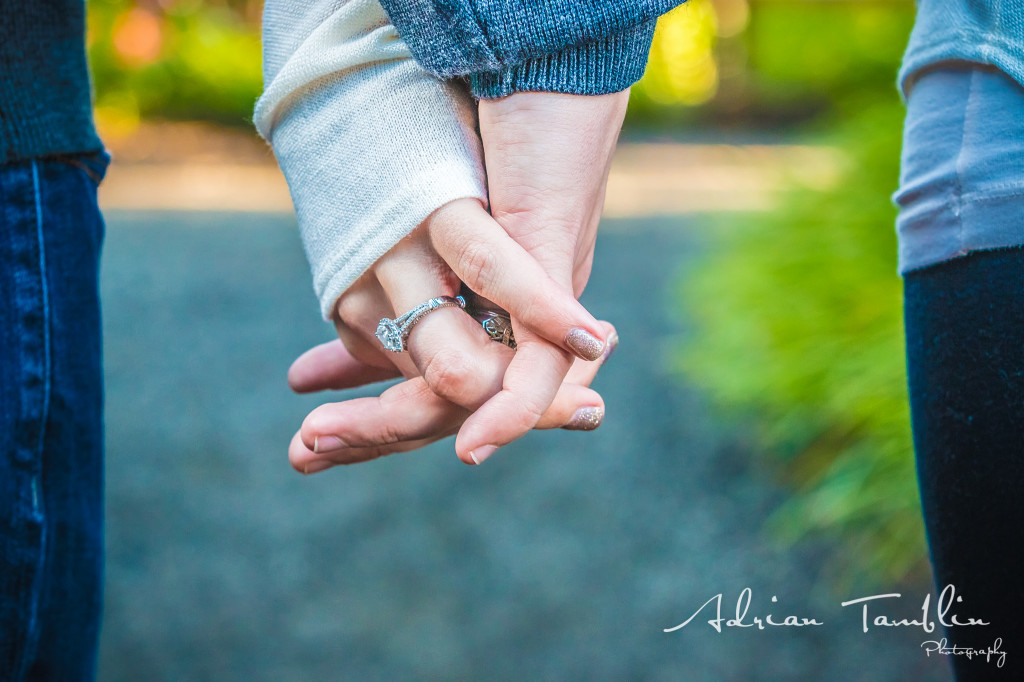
[{"x": 757, "y": 432}]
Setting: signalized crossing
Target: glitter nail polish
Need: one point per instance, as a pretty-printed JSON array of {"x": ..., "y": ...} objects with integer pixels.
[
  {"x": 585, "y": 344},
  {"x": 585, "y": 419}
]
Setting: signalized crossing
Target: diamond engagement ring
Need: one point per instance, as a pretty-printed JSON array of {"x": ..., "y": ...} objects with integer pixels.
[{"x": 394, "y": 334}]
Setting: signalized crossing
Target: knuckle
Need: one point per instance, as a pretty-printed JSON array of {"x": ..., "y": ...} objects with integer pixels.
[
  {"x": 386, "y": 434},
  {"x": 479, "y": 265},
  {"x": 449, "y": 375},
  {"x": 349, "y": 309}
]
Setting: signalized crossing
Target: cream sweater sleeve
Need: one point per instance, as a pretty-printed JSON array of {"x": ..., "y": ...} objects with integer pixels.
[{"x": 370, "y": 143}]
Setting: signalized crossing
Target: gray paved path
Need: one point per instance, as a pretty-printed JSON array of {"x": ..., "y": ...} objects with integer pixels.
[{"x": 562, "y": 558}]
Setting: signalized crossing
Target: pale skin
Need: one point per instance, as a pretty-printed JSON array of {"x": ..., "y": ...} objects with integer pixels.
[{"x": 547, "y": 161}]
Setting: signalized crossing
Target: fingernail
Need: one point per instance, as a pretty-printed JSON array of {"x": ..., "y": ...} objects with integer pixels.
[
  {"x": 610, "y": 346},
  {"x": 481, "y": 453},
  {"x": 327, "y": 444},
  {"x": 316, "y": 467},
  {"x": 584, "y": 344},
  {"x": 585, "y": 419}
]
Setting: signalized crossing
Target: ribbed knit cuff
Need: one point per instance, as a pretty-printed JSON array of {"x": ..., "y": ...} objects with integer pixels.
[{"x": 608, "y": 65}]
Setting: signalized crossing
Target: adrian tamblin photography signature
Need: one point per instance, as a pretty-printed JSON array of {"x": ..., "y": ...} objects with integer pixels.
[{"x": 873, "y": 608}]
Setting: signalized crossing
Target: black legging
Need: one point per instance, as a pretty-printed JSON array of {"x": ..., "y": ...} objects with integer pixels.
[{"x": 965, "y": 356}]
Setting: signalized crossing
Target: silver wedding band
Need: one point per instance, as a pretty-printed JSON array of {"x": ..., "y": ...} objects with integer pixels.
[
  {"x": 497, "y": 324},
  {"x": 394, "y": 334}
]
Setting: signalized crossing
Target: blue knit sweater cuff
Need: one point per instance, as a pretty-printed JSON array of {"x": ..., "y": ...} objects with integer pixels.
[{"x": 605, "y": 66}]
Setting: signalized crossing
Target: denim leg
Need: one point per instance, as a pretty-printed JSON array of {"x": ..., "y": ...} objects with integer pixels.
[{"x": 51, "y": 432}]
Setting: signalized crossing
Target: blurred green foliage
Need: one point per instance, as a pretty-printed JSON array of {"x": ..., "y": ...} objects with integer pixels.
[
  {"x": 809, "y": 50},
  {"x": 682, "y": 70},
  {"x": 776, "y": 62},
  {"x": 175, "y": 59},
  {"x": 798, "y": 313},
  {"x": 721, "y": 62},
  {"x": 798, "y": 316}
]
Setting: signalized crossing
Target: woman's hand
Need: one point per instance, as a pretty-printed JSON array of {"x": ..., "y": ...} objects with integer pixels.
[
  {"x": 547, "y": 159},
  {"x": 456, "y": 359}
]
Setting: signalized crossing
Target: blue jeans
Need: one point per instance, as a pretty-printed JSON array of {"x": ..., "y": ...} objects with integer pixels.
[{"x": 51, "y": 422}]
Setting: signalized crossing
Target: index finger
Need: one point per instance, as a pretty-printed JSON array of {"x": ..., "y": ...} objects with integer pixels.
[{"x": 492, "y": 264}]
